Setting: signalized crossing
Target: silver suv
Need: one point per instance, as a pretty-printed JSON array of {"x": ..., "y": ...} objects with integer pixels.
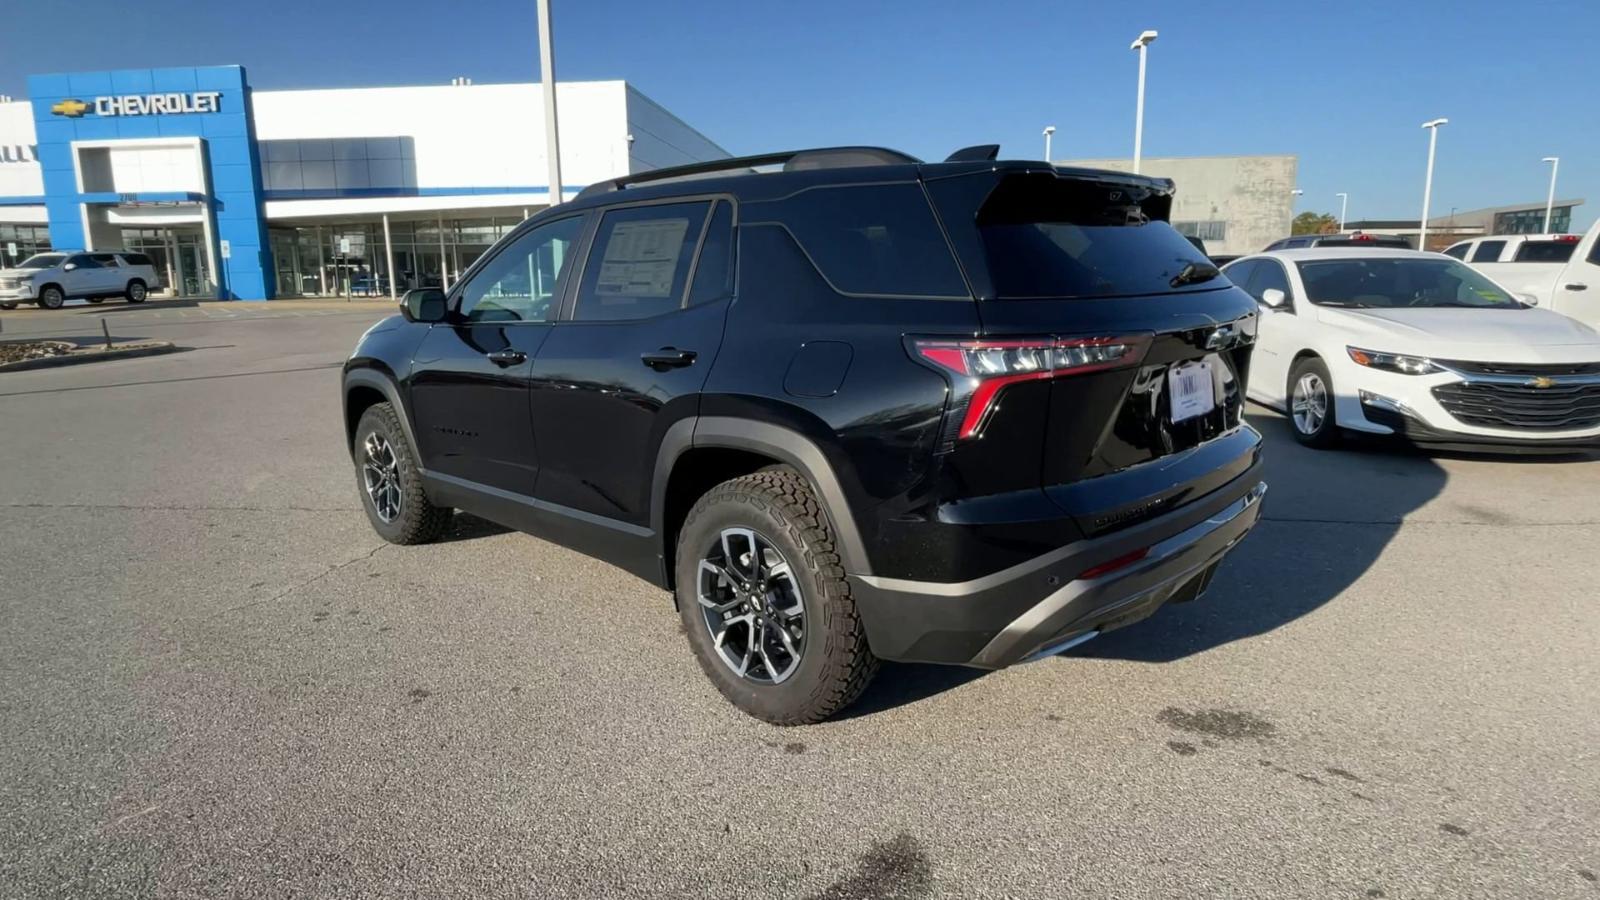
[{"x": 51, "y": 279}]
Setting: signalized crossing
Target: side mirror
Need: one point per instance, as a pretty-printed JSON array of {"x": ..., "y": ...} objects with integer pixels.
[
  {"x": 1528, "y": 299},
  {"x": 69, "y": 267},
  {"x": 1274, "y": 298},
  {"x": 423, "y": 305}
]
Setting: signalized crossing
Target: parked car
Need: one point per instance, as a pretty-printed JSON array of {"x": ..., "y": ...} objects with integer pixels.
[
  {"x": 1357, "y": 239},
  {"x": 1568, "y": 282},
  {"x": 51, "y": 279},
  {"x": 858, "y": 408},
  {"x": 1417, "y": 345},
  {"x": 1522, "y": 248}
]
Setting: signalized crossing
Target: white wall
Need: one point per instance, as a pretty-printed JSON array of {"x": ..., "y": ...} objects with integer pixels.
[
  {"x": 18, "y": 179},
  {"x": 487, "y": 135},
  {"x": 661, "y": 139}
]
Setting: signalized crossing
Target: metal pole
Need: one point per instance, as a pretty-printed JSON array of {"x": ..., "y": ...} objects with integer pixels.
[
  {"x": 1550, "y": 202},
  {"x": 1344, "y": 206},
  {"x": 444, "y": 274},
  {"x": 547, "y": 67},
  {"x": 322, "y": 265},
  {"x": 1049, "y": 131},
  {"x": 1138, "y": 114},
  {"x": 388, "y": 255}
]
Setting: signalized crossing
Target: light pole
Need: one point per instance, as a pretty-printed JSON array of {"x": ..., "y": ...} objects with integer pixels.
[
  {"x": 1550, "y": 203},
  {"x": 547, "y": 65},
  {"x": 1427, "y": 185},
  {"x": 1140, "y": 44},
  {"x": 1048, "y": 130},
  {"x": 1344, "y": 206}
]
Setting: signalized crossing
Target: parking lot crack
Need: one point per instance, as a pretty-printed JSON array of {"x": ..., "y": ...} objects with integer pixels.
[{"x": 302, "y": 584}]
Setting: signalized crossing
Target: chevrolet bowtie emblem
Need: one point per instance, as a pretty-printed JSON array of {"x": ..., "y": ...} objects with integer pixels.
[
  {"x": 70, "y": 108},
  {"x": 1541, "y": 382}
]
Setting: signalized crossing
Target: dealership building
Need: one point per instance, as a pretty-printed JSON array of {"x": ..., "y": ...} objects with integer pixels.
[{"x": 251, "y": 195}]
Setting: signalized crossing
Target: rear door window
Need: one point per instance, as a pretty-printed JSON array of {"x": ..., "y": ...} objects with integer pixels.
[
  {"x": 1545, "y": 251},
  {"x": 1049, "y": 237},
  {"x": 1488, "y": 251},
  {"x": 876, "y": 240},
  {"x": 639, "y": 264},
  {"x": 1459, "y": 251}
]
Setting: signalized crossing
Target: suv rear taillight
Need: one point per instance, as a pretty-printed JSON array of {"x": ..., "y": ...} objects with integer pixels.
[
  {"x": 1567, "y": 238},
  {"x": 978, "y": 369}
]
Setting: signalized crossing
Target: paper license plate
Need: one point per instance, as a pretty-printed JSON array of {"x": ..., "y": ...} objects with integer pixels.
[{"x": 1191, "y": 389}]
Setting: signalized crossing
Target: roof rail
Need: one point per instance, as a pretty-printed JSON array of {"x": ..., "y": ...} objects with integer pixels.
[{"x": 792, "y": 161}]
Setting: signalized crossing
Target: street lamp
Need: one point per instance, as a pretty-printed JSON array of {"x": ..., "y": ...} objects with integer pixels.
[
  {"x": 1344, "y": 205},
  {"x": 1427, "y": 185},
  {"x": 1048, "y": 130},
  {"x": 1139, "y": 44},
  {"x": 1550, "y": 203}
]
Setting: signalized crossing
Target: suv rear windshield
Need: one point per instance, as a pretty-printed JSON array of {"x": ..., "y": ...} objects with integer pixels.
[
  {"x": 1050, "y": 237},
  {"x": 1545, "y": 251}
]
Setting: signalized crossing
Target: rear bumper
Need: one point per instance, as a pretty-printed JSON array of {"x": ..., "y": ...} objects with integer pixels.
[{"x": 1039, "y": 606}]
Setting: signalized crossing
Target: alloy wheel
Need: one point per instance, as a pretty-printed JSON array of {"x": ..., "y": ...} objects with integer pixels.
[
  {"x": 752, "y": 607},
  {"x": 136, "y": 293},
  {"x": 1309, "y": 405},
  {"x": 380, "y": 471}
]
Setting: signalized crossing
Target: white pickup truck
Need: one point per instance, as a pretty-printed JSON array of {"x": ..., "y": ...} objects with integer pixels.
[{"x": 1558, "y": 271}]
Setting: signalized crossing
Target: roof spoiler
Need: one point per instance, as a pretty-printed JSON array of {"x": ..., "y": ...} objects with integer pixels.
[
  {"x": 791, "y": 161},
  {"x": 975, "y": 153}
]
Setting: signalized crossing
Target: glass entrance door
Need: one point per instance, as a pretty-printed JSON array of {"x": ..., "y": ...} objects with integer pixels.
[{"x": 194, "y": 276}]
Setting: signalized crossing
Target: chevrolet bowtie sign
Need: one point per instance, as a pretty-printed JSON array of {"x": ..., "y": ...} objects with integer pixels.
[{"x": 143, "y": 105}]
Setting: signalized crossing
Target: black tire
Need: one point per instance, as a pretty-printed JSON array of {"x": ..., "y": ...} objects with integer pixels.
[
  {"x": 8, "y": 306},
  {"x": 136, "y": 292},
  {"x": 1307, "y": 427},
  {"x": 416, "y": 521},
  {"x": 96, "y": 299},
  {"x": 834, "y": 662},
  {"x": 52, "y": 297}
]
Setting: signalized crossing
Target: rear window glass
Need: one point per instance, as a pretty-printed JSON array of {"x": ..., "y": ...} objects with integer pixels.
[
  {"x": 1459, "y": 251},
  {"x": 1049, "y": 237},
  {"x": 878, "y": 240},
  {"x": 1545, "y": 251},
  {"x": 136, "y": 259}
]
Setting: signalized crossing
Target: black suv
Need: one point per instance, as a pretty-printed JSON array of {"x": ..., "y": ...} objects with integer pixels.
[{"x": 846, "y": 405}]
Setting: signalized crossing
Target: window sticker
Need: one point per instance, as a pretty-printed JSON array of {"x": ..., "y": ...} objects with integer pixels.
[{"x": 641, "y": 258}]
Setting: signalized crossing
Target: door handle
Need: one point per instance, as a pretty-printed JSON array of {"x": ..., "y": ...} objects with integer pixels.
[
  {"x": 1577, "y": 287},
  {"x": 508, "y": 357},
  {"x": 668, "y": 358}
]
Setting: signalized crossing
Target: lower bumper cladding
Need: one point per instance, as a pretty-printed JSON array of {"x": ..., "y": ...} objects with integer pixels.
[{"x": 1048, "y": 605}]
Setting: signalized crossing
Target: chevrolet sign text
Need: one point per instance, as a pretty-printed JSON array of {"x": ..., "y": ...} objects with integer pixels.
[{"x": 158, "y": 104}]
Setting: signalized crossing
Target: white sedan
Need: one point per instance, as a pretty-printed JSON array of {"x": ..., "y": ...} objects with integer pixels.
[{"x": 1419, "y": 345}]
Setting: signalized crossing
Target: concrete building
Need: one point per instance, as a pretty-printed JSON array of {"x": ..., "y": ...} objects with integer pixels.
[
  {"x": 1236, "y": 204},
  {"x": 1444, "y": 230},
  {"x": 246, "y": 194}
]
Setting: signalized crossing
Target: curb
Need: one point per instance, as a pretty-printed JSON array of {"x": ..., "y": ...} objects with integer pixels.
[{"x": 74, "y": 359}]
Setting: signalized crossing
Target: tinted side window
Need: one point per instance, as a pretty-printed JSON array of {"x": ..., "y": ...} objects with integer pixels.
[
  {"x": 1488, "y": 251},
  {"x": 1239, "y": 273},
  {"x": 1269, "y": 275},
  {"x": 713, "y": 273},
  {"x": 639, "y": 264},
  {"x": 519, "y": 283},
  {"x": 136, "y": 259},
  {"x": 1459, "y": 251},
  {"x": 1594, "y": 253},
  {"x": 82, "y": 261},
  {"x": 105, "y": 260},
  {"x": 876, "y": 239}
]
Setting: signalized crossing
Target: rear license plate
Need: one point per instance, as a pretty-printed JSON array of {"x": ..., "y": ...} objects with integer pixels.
[{"x": 1191, "y": 389}]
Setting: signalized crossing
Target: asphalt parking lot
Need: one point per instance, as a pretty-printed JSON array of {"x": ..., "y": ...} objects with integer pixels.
[{"x": 215, "y": 680}]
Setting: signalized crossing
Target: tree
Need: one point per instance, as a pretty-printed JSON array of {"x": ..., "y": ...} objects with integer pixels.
[{"x": 1314, "y": 223}]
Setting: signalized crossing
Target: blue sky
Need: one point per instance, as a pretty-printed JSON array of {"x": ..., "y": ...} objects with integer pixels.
[{"x": 1344, "y": 85}]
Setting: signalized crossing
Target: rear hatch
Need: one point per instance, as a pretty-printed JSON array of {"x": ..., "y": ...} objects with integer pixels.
[{"x": 1112, "y": 360}]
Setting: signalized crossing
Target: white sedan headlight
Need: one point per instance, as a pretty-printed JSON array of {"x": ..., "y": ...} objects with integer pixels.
[{"x": 1392, "y": 362}]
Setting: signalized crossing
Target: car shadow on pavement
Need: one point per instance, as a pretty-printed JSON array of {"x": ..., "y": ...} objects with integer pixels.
[
  {"x": 115, "y": 307},
  {"x": 1327, "y": 518},
  {"x": 467, "y": 527},
  {"x": 901, "y": 684}
]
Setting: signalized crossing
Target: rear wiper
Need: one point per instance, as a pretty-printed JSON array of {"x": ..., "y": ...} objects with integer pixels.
[{"x": 1194, "y": 273}]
